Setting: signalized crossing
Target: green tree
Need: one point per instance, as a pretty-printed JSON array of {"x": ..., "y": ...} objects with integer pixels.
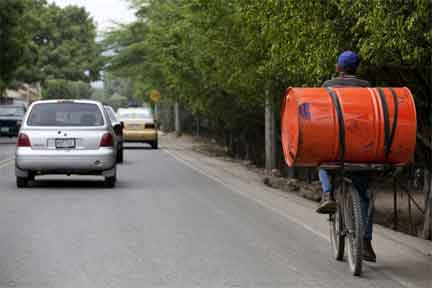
[
  {"x": 12, "y": 40},
  {"x": 220, "y": 57},
  {"x": 64, "y": 89},
  {"x": 116, "y": 92},
  {"x": 41, "y": 41},
  {"x": 63, "y": 44}
]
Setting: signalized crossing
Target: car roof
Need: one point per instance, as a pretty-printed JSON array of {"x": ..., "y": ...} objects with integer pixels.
[
  {"x": 135, "y": 109},
  {"x": 78, "y": 101},
  {"x": 108, "y": 106},
  {"x": 13, "y": 105}
]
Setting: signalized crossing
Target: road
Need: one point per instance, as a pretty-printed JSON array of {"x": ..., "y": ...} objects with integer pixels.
[
  {"x": 7, "y": 148},
  {"x": 165, "y": 225}
]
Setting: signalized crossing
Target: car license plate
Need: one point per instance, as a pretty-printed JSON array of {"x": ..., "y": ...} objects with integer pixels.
[
  {"x": 4, "y": 129},
  {"x": 64, "y": 143},
  {"x": 134, "y": 126}
]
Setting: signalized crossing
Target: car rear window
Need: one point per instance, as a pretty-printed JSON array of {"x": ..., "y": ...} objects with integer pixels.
[
  {"x": 65, "y": 114},
  {"x": 135, "y": 114},
  {"x": 11, "y": 111}
]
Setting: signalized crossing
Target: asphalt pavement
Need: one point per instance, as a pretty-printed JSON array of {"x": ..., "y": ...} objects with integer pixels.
[
  {"x": 164, "y": 225},
  {"x": 7, "y": 148}
]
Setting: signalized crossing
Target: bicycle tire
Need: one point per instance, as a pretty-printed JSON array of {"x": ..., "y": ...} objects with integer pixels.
[
  {"x": 354, "y": 228},
  {"x": 337, "y": 235}
]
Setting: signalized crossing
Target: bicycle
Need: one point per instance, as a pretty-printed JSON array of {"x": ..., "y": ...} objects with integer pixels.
[{"x": 346, "y": 224}]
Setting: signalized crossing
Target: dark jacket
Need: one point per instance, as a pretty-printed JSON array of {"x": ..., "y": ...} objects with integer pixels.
[{"x": 345, "y": 80}]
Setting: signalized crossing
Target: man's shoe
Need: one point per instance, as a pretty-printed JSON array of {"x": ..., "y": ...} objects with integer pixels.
[
  {"x": 368, "y": 252},
  {"x": 327, "y": 205}
]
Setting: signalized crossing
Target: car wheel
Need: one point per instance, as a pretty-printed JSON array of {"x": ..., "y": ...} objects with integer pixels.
[
  {"x": 155, "y": 144},
  {"x": 110, "y": 182},
  {"x": 120, "y": 156},
  {"x": 21, "y": 182},
  {"x": 31, "y": 177}
]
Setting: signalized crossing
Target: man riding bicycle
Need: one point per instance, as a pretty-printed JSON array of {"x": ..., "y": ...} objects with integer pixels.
[{"x": 346, "y": 66}]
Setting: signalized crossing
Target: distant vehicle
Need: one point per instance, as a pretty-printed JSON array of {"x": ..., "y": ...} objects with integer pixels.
[
  {"x": 66, "y": 137},
  {"x": 11, "y": 117},
  {"x": 139, "y": 126},
  {"x": 117, "y": 126}
]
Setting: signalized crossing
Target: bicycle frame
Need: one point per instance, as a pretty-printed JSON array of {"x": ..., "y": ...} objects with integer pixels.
[{"x": 347, "y": 222}]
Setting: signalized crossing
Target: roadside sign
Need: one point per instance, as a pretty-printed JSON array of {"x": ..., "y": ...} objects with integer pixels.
[{"x": 155, "y": 96}]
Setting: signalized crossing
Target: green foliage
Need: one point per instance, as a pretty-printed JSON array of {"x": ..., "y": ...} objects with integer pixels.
[
  {"x": 392, "y": 32},
  {"x": 219, "y": 57},
  {"x": 41, "y": 41},
  {"x": 115, "y": 100},
  {"x": 64, "y": 89},
  {"x": 63, "y": 44},
  {"x": 12, "y": 40},
  {"x": 116, "y": 92}
]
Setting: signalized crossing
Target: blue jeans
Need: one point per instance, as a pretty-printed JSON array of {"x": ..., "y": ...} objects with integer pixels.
[{"x": 361, "y": 184}]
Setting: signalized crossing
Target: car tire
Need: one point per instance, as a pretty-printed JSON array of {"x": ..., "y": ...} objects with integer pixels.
[
  {"x": 31, "y": 177},
  {"x": 155, "y": 144},
  {"x": 120, "y": 156},
  {"x": 22, "y": 182},
  {"x": 110, "y": 181}
]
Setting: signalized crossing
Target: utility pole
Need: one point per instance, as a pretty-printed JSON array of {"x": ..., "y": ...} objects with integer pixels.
[{"x": 270, "y": 139}]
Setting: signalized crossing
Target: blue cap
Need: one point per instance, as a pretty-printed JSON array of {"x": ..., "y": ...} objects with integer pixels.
[{"x": 349, "y": 60}]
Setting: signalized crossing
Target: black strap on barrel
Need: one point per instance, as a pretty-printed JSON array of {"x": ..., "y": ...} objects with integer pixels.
[
  {"x": 341, "y": 122},
  {"x": 395, "y": 118},
  {"x": 386, "y": 119},
  {"x": 389, "y": 134}
]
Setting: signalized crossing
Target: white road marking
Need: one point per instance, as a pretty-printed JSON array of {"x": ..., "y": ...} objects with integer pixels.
[{"x": 6, "y": 163}]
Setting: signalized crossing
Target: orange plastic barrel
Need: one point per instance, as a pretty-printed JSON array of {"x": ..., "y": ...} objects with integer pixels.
[{"x": 310, "y": 125}]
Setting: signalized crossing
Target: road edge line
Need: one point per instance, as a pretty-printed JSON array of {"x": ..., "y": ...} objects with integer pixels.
[{"x": 5, "y": 163}]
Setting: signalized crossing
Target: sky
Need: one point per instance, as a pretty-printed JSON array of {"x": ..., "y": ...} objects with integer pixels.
[{"x": 104, "y": 12}]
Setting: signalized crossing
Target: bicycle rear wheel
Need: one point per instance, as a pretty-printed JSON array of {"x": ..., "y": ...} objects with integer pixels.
[
  {"x": 337, "y": 236},
  {"x": 353, "y": 223}
]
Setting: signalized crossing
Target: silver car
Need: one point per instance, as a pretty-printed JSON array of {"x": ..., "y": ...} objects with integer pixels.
[{"x": 66, "y": 137}]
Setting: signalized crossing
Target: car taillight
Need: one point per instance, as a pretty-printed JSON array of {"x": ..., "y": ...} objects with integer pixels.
[
  {"x": 23, "y": 140},
  {"x": 107, "y": 140}
]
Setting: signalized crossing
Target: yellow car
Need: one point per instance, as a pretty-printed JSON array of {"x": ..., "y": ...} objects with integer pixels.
[{"x": 139, "y": 126}]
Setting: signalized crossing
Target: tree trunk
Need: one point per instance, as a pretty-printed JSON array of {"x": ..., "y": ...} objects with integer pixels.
[
  {"x": 198, "y": 126},
  {"x": 177, "y": 119},
  {"x": 427, "y": 227},
  {"x": 156, "y": 112},
  {"x": 270, "y": 143}
]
